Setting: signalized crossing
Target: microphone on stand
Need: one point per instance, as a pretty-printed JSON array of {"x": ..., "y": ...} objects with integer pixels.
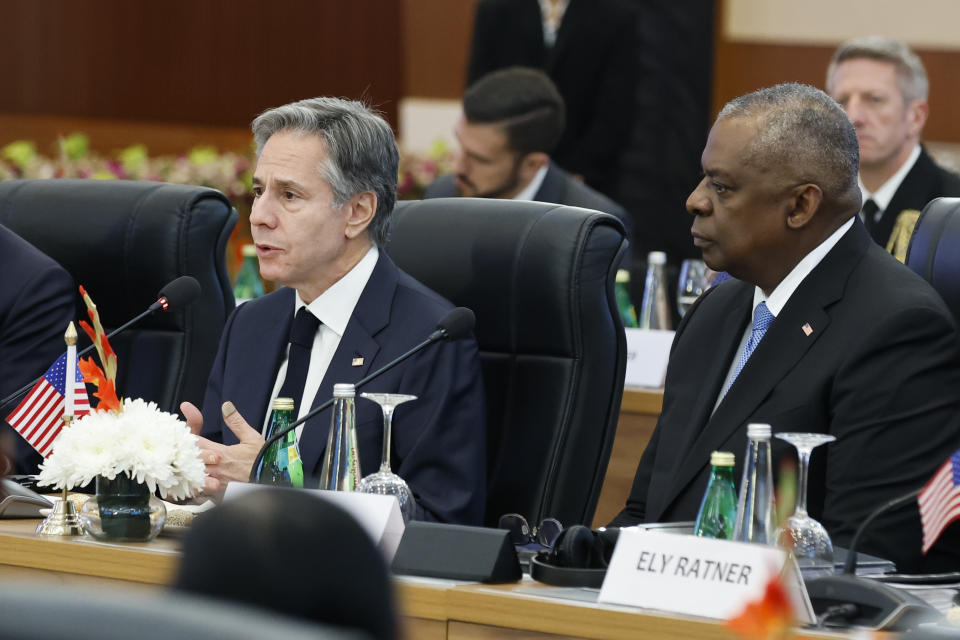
[
  {"x": 868, "y": 602},
  {"x": 177, "y": 293},
  {"x": 457, "y": 323},
  {"x": 180, "y": 292}
]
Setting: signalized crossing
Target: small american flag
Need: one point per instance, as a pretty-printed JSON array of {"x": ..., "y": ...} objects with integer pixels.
[
  {"x": 940, "y": 501},
  {"x": 38, "y": 418}
]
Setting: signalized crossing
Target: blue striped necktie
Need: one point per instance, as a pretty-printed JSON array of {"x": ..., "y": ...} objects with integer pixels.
[{"x": 762, "y": 319}]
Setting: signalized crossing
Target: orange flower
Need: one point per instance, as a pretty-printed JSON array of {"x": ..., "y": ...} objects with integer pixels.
[
  {"x": 106, "y": 392},
  {"x": 99, "y": 338},
  {"x": 768, "y": 618}
]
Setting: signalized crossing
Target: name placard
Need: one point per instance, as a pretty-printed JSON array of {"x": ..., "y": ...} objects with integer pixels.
[
  {"x": 378, "y": 515},
  {"x": 692, "y": 575},
  {"x": 648, "y": 351}
]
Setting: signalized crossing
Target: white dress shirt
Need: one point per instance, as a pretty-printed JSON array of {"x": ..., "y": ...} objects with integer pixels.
[
  {"x": 551, "y": 14},
  {"x": 333, "y": 308},
  {"x": 530, "y": 191}
]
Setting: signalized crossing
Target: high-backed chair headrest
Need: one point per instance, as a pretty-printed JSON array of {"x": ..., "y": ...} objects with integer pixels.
[
  {"x": 513, "y": 260},
  {"x": 123, "y": 241},
  {"x": 540, "y": 278},
  {"x": 934, "y": 251}
]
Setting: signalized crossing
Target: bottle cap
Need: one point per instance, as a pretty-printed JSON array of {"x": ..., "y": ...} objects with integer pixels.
[
  {"x": 758, "y": 431},
  {"x": 657, "y": 257},
  {"x": 623, "y": 276},
  {"x": 343, "y": 390},
  {"x": 283, "y": 404},
  {"x": 249, "y": 251},
  {"x": 722, "y": 459}
]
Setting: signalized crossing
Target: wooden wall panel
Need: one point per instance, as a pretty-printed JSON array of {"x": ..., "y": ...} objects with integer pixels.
[
  {"x": 740, "y": 67},
  {"x": 437, "y": 36},
  {"x": 201, "y": 62}
]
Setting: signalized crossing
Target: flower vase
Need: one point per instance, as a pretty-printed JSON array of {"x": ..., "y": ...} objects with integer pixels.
[{"x": 123, "y": 510}]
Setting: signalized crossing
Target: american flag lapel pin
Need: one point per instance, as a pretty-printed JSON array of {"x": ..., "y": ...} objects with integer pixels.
[
  {"x": 357, "y": 362},
  {"x": 807, "y": 329}
]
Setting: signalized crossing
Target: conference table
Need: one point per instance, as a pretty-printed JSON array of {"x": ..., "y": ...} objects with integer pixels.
[{"x": 430, "y": 609}]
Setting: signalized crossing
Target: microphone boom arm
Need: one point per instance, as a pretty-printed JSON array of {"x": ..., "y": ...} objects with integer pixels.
[
  {"x": 436, "y": 336},
  {"x": 22, "y": 390},
  {"x": 850, "y": 563}
]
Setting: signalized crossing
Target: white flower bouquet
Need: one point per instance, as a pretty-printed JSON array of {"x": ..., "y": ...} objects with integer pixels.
[
  {"x": 149, "y": 445},
  {"x": 133, "y": 437}
]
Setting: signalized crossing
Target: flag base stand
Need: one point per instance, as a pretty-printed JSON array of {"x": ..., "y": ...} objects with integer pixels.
[{"x": 63, "y": 519}]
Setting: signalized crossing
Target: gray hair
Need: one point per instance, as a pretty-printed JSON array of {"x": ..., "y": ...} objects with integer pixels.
[
  {"x": 361, "y": 149},
  {"x": 803, "y": 130},
  {"x": 911, "y": 75}
]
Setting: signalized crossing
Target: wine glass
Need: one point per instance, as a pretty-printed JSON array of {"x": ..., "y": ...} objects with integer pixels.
[
  {"x": 694, "y": 280},
  {"x": 385, "y": 482},
  {"x": 806, "y": 537}
]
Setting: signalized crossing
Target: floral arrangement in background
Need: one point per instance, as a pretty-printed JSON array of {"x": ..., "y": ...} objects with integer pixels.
[
  {"x": 228, "y": 172},
  {"x": 134, "y": 437},
  {"x": 417, "y": 171}
]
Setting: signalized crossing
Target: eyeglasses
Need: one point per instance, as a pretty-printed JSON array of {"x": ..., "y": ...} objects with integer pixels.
[{"x": 522, "y": 533}]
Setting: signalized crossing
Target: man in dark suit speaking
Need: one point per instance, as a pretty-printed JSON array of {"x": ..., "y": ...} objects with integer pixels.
[
  {"x": 512, "y": 120},
  {"x": 848, "y": 341},
  {"x": 324, "y": 189}
]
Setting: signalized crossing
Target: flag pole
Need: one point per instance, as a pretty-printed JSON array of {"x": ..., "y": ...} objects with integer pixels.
[{"x": 63, "y": 519}]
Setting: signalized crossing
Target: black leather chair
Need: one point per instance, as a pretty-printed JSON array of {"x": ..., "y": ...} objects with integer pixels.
[
  {"x": 50, "y": 611},
  {"x": 123, "y": 241},
  {"x": 934, "y": 250},
  {"x": 540, "y": 279}
]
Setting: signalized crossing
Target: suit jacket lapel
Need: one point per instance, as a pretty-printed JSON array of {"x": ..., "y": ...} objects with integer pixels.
[
  {"x": 272, "y": 337},
  {"x": 553, "y": 188},
  {"x": 370, "y": 316},
  {"x": 574, "y": 18},
  {"x": 718, "y": 349},
  {"x": 529, "y": 27},
  {"x": 784, "y": 344}
]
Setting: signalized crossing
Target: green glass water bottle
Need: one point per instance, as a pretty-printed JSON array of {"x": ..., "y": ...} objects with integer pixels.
[
  {"x": 281, "y": 464},
  {"x": 622, "y": 291},
  {"x": 718, "y": 510},
  {"x": 248, "y": 285}
]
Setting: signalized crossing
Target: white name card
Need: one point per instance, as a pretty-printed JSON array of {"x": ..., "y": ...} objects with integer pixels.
[
  {"x": 692, "y": 575},
  {"x": 648, "y": 351},
  {"x": 378, "y": 515}
]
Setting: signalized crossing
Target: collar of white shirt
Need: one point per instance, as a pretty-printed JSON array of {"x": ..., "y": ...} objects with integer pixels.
[
  {"x": 530, "y": 191},
  {"x": 885, "y": 193},
  {"x": 781, "y": 294},
  {"x": 334, "y": 306}
]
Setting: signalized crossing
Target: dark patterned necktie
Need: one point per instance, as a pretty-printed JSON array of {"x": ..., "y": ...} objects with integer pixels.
[
  {"x": 869, "y": 212},
  {"x": 302, "y": 332}
]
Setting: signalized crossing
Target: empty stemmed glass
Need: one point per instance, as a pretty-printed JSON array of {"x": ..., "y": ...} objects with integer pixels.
[
  {"x": 694, "y": 280},
  {"x": 385, "y": 482},
  {"x": 806, "y": 537}
]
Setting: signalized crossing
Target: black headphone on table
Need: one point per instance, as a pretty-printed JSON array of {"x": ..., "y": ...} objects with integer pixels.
[{"x": 579, "y": 557}]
